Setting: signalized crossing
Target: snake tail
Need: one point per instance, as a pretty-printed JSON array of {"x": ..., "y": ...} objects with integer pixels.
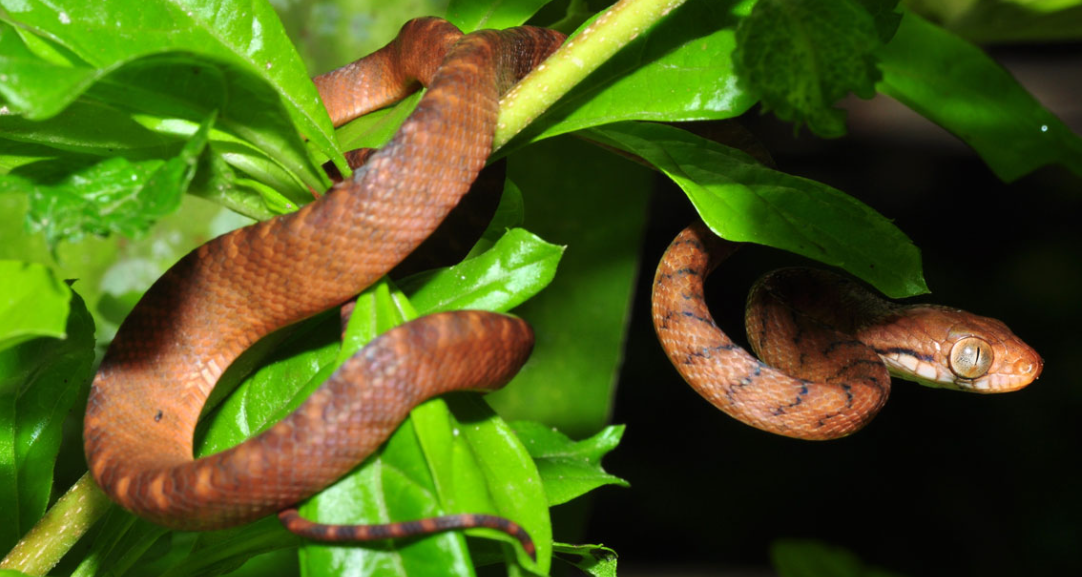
[{"x": 293, "y": 521}]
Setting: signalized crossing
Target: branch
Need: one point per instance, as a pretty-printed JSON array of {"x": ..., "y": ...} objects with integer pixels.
[
  {"x": 61, "y": 527},
  {"x": 574, "y": 61}
]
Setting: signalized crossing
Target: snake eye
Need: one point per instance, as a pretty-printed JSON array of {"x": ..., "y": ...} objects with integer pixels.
[{"x": 971, "y": 358}]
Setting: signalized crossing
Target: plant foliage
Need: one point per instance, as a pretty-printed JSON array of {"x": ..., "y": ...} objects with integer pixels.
[{"x": 111, "y": 111}]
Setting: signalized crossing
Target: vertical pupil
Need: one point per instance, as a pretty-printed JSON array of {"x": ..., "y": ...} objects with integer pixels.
[{"x": 972, "y": 358}]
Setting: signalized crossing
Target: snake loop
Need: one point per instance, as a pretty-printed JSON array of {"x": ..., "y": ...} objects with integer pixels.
[
  {"x": 827, "y": 344},
  {"x": 221, "y": 298}
]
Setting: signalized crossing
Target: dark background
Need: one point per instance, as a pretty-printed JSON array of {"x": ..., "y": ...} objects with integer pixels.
[{"x": 941, "y": 483}]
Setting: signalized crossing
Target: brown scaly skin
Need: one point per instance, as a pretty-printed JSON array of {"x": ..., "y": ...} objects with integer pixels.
[
  {"x": 828, "y": 339},
  {"x": 221, "y": 298}
]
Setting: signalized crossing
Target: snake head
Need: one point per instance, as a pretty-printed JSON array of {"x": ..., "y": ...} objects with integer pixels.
[{"x": 954, "y": 349}]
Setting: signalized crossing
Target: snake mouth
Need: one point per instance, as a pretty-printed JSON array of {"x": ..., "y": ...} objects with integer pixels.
[
  {"x": 999, "y": 383},
  {"x": 921, "y": 369},
  {"x": 972, "y": 385}
]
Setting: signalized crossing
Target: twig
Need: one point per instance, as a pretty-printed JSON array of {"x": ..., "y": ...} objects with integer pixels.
[{"x": 574, "y": 61}]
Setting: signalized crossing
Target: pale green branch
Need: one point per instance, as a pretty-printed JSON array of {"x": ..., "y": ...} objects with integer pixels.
[
  {"x": 61, "y": 527},
  {"x": 575, "y": 60}
]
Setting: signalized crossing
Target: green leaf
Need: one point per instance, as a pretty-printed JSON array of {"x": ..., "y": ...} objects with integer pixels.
[
  {"x": 121, "y": 539},
  {"x": 35, "y": 87},
  {"x": 149, "y": 106},
  {"x": 516, "y": 268},
  {"x": 807, "y": 558},
  {"x": 172, "y": 93},
  {"x": 479, "y": 465},
  {"x": 285, "y": 378},
  {"x": 596, "y": 560},
  {"x": 376, "y": 129},
  {"x": 793, "y": 558},
  {"x": 87, "y": 128},
  {"x": 221, "y": 552},
  {"x": 15, "y": 156},
  {"x": 1046, "y": 6},
  {"x": 33, "y": 303},
  {"x": 115, "y": 195},
  {"x": 987, "y": 23},
  {"x": 569, "y": 469},
  {"x": 379, "y": 309},
  {"x": 126, "y": 545},
  {"x": 680, "y": 70},
  {"x": 744, "y": 201},
  {"x": 510, "y": 214},
  {"x": 566, "y": 18},
  {"x": 885, "y": 15},
  {"x": 471, "y": 15},
  {"x": 802, "y": 56},
  {"x": 247, "y": 35},
  {"x": 581, "y": 317},
  {"x": 955, "y": 85},
  {"x": 40, "y": 380},
  {"x": 215, "y": 180}
]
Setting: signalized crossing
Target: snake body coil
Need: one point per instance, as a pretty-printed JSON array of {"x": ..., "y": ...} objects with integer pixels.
[
  {"x": 827, "y": 344},
  {"x": 221, "y": 298}
]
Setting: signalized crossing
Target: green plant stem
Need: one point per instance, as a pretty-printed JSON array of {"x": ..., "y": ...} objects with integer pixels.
[
  {"x": 61, "y": 527},
  {"x": 575, "y": 60}
]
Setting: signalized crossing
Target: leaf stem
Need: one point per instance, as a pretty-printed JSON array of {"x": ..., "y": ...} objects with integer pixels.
[
  {"x": 61, "y": 527},
  {"x": 575, "y": 60}
]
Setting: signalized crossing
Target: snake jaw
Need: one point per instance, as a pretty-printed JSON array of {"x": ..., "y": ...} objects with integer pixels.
[{"x": 904, "y": 364}]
